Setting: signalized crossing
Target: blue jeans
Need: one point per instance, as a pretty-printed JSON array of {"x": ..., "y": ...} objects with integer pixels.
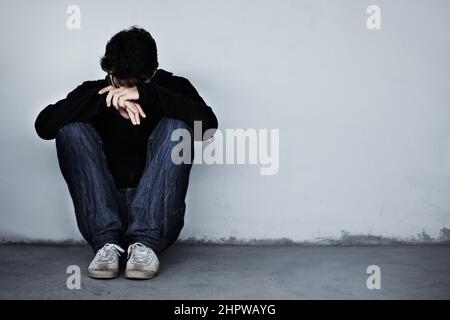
[{"x": 152, "y": 213}]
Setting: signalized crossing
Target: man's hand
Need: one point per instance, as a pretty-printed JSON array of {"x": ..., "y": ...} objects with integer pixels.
[
  {"x": 131, "y": 112},
  {"x": 124, "y": 100}
]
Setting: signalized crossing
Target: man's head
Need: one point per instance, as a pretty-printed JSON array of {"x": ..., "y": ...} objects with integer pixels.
[{"x": 130, "y": 57}]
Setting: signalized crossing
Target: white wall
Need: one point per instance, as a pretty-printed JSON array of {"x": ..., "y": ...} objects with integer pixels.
[{"x": 363, "y": 115}]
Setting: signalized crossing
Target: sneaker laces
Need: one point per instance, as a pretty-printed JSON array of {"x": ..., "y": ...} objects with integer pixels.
[
  {"x": 107, "y": 249},
  {"x": 139, "y": 253}
]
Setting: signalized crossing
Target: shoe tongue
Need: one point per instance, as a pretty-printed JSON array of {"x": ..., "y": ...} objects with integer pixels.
[
  {"x": 138, "y": 244},
  {"x": 109, "y": 249},
  {"x": 112, "y": 246}
]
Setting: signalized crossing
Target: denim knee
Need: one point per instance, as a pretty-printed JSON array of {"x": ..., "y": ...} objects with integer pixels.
[
  {"x": 76, "y": 133},
  {"x": 168, "y": 125},
  {"x": 72, "y": 131},
  {"x": 162, "y": 137}
]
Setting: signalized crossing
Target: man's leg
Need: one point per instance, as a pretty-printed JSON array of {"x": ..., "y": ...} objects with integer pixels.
[
  {"x": 91, "y": 185},
  {"x": 157, "y": 210}
]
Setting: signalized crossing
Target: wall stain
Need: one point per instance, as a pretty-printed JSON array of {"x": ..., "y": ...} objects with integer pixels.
[{"x": 346, "y": 239}]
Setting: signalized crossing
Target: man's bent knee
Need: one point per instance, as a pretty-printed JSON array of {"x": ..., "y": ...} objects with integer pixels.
[
  {"x": 73, "y": 132},
  {"x": 72, "y": 129},
  {"x": 175, "y": 136},
  {"x": 168, "y": 125}
]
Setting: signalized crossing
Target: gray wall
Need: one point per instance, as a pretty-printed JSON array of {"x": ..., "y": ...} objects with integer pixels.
[{"x": 363, "y": 115}]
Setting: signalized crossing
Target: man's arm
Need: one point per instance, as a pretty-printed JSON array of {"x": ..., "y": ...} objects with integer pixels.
[
  {"x": 81, "y": 104},
  {"x": 185, "y": 104}
]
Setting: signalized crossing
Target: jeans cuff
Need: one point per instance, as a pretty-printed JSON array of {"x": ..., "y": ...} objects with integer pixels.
[
  {"x": 99, "y": 241},
  {"x": 146, "y": 241}
]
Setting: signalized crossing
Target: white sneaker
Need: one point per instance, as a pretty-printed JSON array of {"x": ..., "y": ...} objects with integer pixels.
[
  {"x": 106, "y": 262},
  {"x": 142, "y": 262}
]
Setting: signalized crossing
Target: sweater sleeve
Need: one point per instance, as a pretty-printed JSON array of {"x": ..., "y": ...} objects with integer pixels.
[
  {"x": 184, "y": 104},
  {"x": 81, "y": 104}
]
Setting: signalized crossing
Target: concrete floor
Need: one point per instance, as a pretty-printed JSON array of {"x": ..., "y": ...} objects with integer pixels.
[{"x": 236, "y": 272}]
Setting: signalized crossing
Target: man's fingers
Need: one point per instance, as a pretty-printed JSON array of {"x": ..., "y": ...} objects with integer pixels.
[
  {"x": 136, "y": 107},
  {"x": 125, "y": 102},
  {"x": 124, "y": 97},
  {"x": 141, "y": 112},
  {"x": 132, "y": 108},
  {"x": 130, "y": 105},
  {"x": 111, "y": 95},
  {"x": 116, "y": 96},
  {"x": 121, "y": 98},
  {"x": 106, "y": 89},
  {"x": 131, "y": 112},
  {"x": 132, "y": 116},
  {"x": 121, "y": 101}
]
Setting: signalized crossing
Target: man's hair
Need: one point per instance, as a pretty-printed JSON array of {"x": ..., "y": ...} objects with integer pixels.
[{"x": 130, "y": 56}]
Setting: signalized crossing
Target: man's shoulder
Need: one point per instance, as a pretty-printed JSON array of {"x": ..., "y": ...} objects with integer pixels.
[
  {"x": 95, "y": 83},
  {"x": 88, "y": 85},
  {"x": 172, "y": 81}
]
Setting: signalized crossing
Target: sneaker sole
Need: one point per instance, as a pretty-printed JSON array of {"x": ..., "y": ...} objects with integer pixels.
[
  {"x": 139, "y": 274},
  {"x": 103, "y": 274}
]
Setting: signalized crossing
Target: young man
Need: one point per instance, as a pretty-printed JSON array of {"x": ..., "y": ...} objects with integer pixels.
[{"x": 113, "y": 141}]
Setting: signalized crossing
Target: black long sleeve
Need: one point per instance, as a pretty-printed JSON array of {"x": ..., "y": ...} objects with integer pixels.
[
  {"x": 183, "y": 104},
  {"x": 81, "y": 104}
]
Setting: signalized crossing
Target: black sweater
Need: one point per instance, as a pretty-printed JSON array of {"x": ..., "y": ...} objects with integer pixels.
[{"x": 124, "y": 144}]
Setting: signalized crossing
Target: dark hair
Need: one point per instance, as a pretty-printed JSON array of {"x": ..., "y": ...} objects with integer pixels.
[{"x": 130, "y": 56}]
